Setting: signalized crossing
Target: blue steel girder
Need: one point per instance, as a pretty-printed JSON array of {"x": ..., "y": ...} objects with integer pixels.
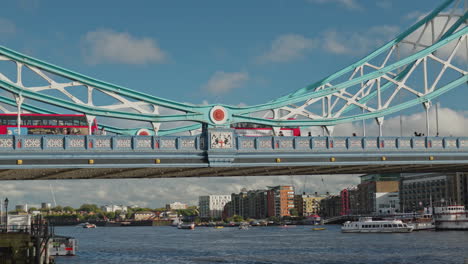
[{"x": 368, "y": 82}]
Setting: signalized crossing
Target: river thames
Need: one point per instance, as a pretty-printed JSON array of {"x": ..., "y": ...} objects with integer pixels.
[{"x": 262, "y": 245}]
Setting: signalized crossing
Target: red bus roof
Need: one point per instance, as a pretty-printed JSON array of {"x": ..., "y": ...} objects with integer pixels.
[{"x": 3, "y": 114}]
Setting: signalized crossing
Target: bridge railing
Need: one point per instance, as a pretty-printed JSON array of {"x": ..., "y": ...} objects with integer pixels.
[
  {"x": 321, "y": 144},
  {"x": 97, "y": 143},
  {"x": 242, "y": 144}
]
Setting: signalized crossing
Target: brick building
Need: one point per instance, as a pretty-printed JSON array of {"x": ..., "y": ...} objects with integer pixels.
[
  {"x": 378, "y": 194},
  {"x": 280, "y": 200},
  {"x": 330, "y": 206}
]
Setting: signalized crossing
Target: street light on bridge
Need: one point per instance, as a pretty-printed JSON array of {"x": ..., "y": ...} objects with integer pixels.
[{"x": 6, "y": 213}]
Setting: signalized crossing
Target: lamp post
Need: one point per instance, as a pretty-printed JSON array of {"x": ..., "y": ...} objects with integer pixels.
[{"x": 6, "y": 214}]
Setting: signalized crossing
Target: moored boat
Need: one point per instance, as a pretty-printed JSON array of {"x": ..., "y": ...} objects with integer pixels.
[
  {"x": 417, "y": 226},
  {"x": 453, "y": 217},
  {"x": 419, "y": 221},
  {"x": 367, "y": 225}
]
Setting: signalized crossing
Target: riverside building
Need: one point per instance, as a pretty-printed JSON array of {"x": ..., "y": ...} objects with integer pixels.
[
  {"x": 330, "y": 206},
  {"x": 248, "y": 204},
  {"x": 308, "y": 204},
  {"x": 349, "y": 201},
  {"x": 114, "y": 208},
  {"x": 420, "y": 190},
  {"x": 212, "y": 205},
  {"x": 280, "y": 200},
  {"x": 176, "y": 206},
  {"x": 378, "y": 194}
]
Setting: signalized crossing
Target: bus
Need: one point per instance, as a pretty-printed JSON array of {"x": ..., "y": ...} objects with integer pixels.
[
  {"x": 257, "y": 130},
  {"x": 46, "y": 124}
]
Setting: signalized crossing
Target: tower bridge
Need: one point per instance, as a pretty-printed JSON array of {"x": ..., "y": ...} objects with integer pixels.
[{"x": 427, "y": 60}]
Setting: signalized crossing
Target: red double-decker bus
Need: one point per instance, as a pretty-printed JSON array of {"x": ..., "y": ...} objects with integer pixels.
[
  {"x": 257, "y": 130},
  {"x": 46, "y": 124}
]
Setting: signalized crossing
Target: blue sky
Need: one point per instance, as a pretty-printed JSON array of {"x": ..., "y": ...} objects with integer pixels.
[
  {"x": 189, "y": 42},
  {"x": 234, "y": 52}
]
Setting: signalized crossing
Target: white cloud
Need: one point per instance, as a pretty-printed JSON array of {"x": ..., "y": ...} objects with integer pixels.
[
  {"x": 357, "y": 43},
  {"x": 222, "y": 82},
  {"x": 451, "y": 123},
  {"x": 6, "y": 26},
  {"x": 441, "y": 24},
  {"x": 350, "y": 4},
  {"x": 287, "y": 47},
  {"x": 108, "y": 46}
]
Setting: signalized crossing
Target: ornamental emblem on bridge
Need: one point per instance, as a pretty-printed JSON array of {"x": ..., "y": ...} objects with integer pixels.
[
  {"x": 218, "y": 115},
  {"x": 221, "y": 140}
]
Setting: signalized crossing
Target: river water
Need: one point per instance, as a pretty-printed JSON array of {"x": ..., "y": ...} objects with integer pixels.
[{"x": 262, "y": 245}]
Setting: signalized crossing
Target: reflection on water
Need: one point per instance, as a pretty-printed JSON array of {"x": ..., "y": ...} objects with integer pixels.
[{"x": 262, "y": 245}]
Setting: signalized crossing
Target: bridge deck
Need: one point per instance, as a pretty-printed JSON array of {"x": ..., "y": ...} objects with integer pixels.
[{"x": 102, "y": 157}]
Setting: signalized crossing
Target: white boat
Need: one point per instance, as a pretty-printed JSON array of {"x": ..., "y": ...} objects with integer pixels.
[
  {"x": 420, "y": 222},
  {"x": 367, "y": 225},
  {"x": 453, "y": 217},
  {"x": 244, "y": 226},
  {"x": 186, "y": 226},
  {"x": 88, "y": 225},
  {"x": 421, "y": 225}
]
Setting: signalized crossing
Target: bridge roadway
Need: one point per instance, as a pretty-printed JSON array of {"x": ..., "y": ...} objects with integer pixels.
[{"x": 221, "y": 153}]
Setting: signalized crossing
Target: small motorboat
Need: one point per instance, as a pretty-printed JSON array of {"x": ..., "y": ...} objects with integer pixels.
[
  {"x": 318, "y": 228},
  {"x": 88, "y": 225},
  {"x": 186, "y": 226},
  {"x": 219, "y": 227},
  {"x": 244, "y": 226},
  {"x": 288, "y": 226}
]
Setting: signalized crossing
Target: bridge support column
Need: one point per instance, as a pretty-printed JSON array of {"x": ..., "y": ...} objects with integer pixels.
[
  {"x": 427, "y": 105},
  {"x": 380, "y": 121},
  {"x": 19, "y": 101},
  {"x": 90, "y": 120},
  {"x": 156, "y": 127}
]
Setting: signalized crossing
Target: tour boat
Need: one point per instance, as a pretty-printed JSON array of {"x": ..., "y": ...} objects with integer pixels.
[
  {"x": 453, "y": 217},
  {"x": 367, "y": 225},
  {"x": 421, "y": 222},
  {"x": 417, "y": 226}
]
